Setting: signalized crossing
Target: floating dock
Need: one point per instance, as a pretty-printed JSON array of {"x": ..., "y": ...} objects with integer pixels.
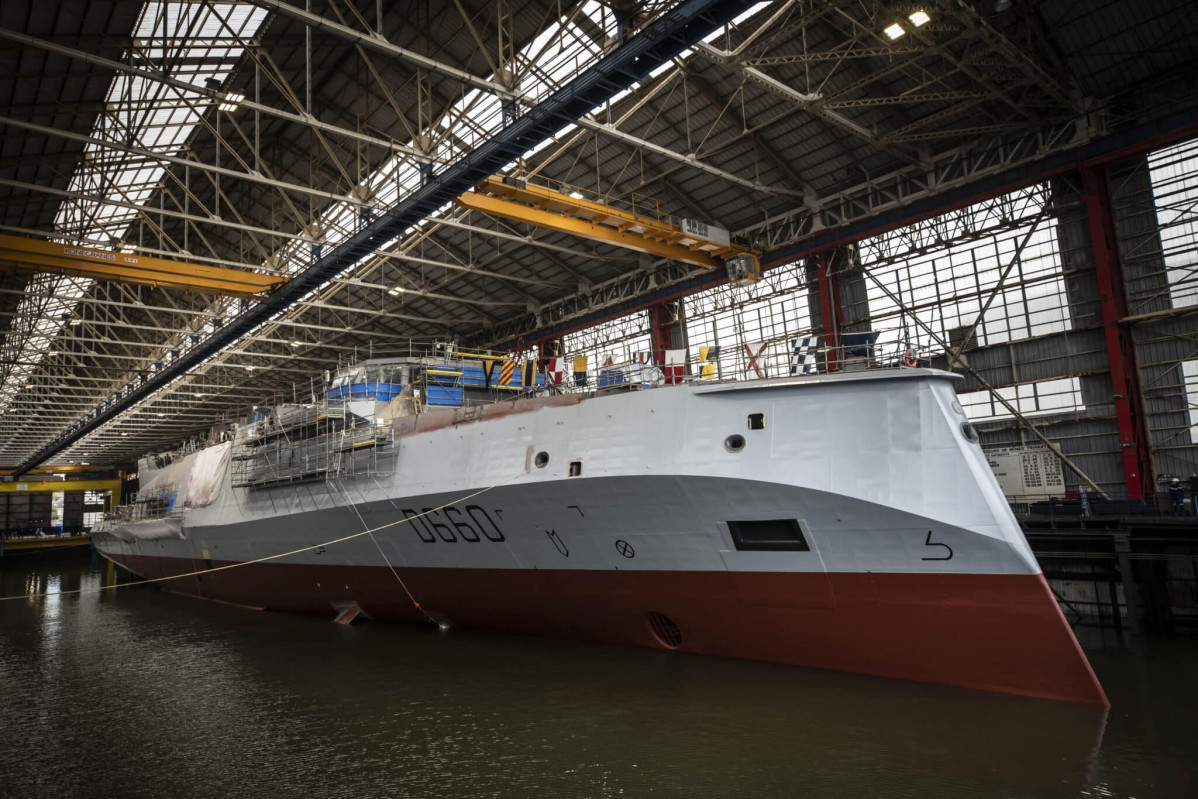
[{"x": 44, "y": 544}]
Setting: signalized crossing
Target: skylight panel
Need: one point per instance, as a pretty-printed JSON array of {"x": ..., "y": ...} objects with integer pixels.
[{"x": 152, "y": 120}]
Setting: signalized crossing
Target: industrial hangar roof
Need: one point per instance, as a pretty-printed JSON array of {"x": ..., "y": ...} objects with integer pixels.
[{"x": 206, "y": 132}]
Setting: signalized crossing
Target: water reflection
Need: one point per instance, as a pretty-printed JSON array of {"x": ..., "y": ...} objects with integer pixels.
[{"x": 157, "y": 695}]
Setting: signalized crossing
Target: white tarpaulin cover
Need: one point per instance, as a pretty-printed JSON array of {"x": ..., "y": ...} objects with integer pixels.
[
  {"x": 173, "y": 476},
  {"x": 208, "y": 474},
  {"x": 148, "y": 530}
]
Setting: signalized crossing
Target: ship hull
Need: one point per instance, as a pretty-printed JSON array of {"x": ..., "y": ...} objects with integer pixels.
[
  {"x": 855, "y": 525},
  {"x": 1001, "y": 633}
]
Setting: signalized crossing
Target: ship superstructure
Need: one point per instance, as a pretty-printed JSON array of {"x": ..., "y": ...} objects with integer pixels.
[{"x": 845, "y": 521}]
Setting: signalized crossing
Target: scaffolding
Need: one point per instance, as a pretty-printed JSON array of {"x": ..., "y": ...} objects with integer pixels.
[
  {"x": 157, "y": 502},
  {"x": 322, "y": 441}
]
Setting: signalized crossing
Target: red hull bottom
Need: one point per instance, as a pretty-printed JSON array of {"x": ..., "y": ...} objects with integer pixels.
[{"x": 1001, "y": 633}]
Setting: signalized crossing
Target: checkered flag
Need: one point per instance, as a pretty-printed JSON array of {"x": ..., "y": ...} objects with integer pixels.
[{"x": 802, "y": 355}]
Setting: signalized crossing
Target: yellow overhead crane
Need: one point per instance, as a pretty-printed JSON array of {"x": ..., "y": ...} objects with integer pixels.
[
  {"x": 57, "y": 470},
  {"x": 639, "y": 229},
  {"x": 35, "y": 255}
]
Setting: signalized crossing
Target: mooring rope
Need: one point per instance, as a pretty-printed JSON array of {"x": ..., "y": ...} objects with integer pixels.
[
  {"x": 240, "y": 564},
  {"x": 354, "y": 506}
]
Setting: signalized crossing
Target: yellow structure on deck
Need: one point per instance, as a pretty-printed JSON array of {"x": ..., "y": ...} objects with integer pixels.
[
  {"x": 639, "y": 229},
  {"x": 35, "y": 255}
]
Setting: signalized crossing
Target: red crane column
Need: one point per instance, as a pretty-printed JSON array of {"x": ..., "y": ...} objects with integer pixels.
[
  {"x": 829, "y": 309},
  {"x": 1125, "y": 377},
  {"x": 660, "y": 338}
]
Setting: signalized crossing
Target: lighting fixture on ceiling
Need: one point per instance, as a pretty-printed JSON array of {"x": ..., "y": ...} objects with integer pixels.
[
  {"x": 919, "y": 18},
  {"x": 396, "y": 291},
  {"x": 295, "y": 344},
  {"x": 231, "y": 102},
  {"x": 894, "y": 31}
]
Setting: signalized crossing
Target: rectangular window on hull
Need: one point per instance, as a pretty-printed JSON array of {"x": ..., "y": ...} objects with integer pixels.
[{"x": 770, "y": 535}]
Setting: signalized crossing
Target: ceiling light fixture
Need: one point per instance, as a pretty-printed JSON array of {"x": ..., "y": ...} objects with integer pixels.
[
  {"x": 919, "y": 18},
  {"x": 231, "y": 102},
  {"x": 396, "y": 291},
  {"x": 894, "y": 31}
]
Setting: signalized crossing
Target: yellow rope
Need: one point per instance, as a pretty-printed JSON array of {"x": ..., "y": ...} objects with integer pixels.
[{"x": 238, "y": 565}]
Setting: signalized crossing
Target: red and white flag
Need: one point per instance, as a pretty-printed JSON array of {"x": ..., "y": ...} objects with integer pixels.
[
  {"x": 553, "y": 371},
  {"x": 675, "y": 366},
  {"x": 753, "y": 352}
]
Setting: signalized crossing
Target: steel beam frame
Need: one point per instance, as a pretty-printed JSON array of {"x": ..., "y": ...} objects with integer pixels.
[
  {"x": 829, "y": 309},
  {"x": 660, "y": 338},
  {"x": 898, "y": 208},
  {"x": 661, "y": 40},
  {"x": 1125, "y": 375}
]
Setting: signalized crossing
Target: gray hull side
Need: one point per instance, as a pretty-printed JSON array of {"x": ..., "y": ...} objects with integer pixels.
[{"x": 670, "y": 523}]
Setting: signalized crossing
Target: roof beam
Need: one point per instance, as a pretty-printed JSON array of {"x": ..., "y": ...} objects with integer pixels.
[
  {"x": 214, "y": 95},
  {"x": 662, "y": 39},
  {"x": 377, "y": 42}
]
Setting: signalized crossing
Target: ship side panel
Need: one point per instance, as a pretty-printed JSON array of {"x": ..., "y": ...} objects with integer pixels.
[
  {"x": 990, "y": 632},
  {"x": 911, "y": 564},
  {"x": 592, "y": 558}
]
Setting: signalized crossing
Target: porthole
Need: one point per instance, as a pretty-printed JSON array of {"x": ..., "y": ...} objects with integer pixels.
[
  {"x": 542, "y": 459},
  {"x": 970, "y": 432},
  {"x": 734, "y": 443},
  {"x": 957, "y": 408}
]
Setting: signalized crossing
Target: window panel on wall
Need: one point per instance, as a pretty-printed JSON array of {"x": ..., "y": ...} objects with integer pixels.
[
  {"x": 771, "y": 311},
  {"x": 620, "y": 339},
  {"x": 1174, "y": 175},
  {"x": 1030, "y": 399},
  {"x": 947, "y": 286},
  {"x": 1189, "y": 376}
]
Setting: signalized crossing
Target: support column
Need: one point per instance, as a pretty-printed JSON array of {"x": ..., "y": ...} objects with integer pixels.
[
  {"x": 829, "y": 307},
  {"x": 660, "y": 338},
  {"x": 1131, "y": 592},
  {"x": 1125, "y": 378}
]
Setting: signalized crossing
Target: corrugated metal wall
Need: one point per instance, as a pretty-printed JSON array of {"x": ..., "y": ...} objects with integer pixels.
[
  {"x": 1090, "y": 437},
  {"x": 1162, "y": 340}
]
